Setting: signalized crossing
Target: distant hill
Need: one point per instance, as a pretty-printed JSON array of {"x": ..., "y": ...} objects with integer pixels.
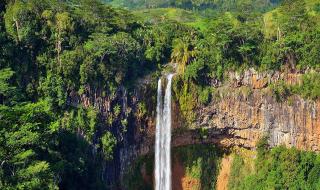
[
  {"x": 176, "y": 14},
  {"x": 199, "y": 5}
]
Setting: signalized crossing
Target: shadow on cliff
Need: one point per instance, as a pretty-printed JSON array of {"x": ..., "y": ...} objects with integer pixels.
[
  {"x": 200, "y": 164},
  {"x": 79, "y": 167}
]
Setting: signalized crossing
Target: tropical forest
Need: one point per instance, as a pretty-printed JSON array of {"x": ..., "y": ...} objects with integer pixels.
[{"x": 160, "y": 94}]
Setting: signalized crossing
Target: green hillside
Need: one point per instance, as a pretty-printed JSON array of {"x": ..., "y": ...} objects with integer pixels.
[
  {"x": 218, "y": 5},
  {"x": 173, "y": 14},
  {"x": 271, "y": 18}
]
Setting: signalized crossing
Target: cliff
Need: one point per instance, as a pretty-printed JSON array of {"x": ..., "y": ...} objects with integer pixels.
[
  {"x": 241, "y": 111},
  {"x": 246, "y": 110}
]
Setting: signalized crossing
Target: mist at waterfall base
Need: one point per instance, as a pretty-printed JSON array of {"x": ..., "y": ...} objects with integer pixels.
[{"x": 163, "y": 137}]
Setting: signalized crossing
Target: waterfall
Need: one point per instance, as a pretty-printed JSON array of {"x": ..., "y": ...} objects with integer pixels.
[
  {"x": 163, "y": 138},
  {"x": 157, "y": 163}
]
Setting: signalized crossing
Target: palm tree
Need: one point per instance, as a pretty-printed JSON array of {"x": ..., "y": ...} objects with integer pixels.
[{"x": 182, "y": 54}]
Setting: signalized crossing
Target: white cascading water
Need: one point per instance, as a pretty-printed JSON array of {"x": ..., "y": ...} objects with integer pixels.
[
  {"x": 163, "y": 138},
  {"x": 157, "y": 159}
]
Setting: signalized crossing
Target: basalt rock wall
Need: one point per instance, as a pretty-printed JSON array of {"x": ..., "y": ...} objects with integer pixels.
[
  {"x": 247, "y": 118},
  {"x": 246, "y": 109},
  {"x": 241, "y": 111}
]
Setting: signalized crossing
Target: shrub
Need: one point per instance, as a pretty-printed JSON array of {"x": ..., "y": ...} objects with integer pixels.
[
  {"x": 185, "y": 93},
  {"x": 280, "y": 90},
  {"x": 141, "y": 110},
  {"x": 117, "y": 110},
  {"x": 277, "y": 168},
  {"x": 204, "y": 96},
  {"x": 201, "y": 163},
  {"x": 310, "y": 86},
  {"x": 108, "y": 142}
]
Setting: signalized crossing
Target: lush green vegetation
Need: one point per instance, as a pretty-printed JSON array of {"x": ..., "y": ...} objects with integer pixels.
[
  {"x": 49, "y": 51},
  {"x": 277, "y": 168},
  {"x": 142, "y": 167},
  {"x": 182, "y": 16},
  {"x": 52, "y": 53},
  {"x": 285, "y": 39},
  {"x": 308, "y": 88},
  {"x": 38, "y": 153}
]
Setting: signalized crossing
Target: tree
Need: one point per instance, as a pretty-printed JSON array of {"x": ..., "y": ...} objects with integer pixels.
[
  {"x": 5, "y": 88},
  {"x": 293, "y": 15},
  {"x": 5, "y": 48},
  {"x": 108, "y": 142},
  {"x": 182, "y": 53},
  {"x": 21, "y": 22},
  {"x": 61, "y": 24},
  {"x": 24, "y": 133}
]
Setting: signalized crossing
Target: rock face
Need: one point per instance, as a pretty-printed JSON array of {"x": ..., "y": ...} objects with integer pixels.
[
  {"x": 246, "y": 112},
  {"x": 242, "y": 112},
  {"x": 247, "y": 119},
  {"x": 135, "y": 109}
]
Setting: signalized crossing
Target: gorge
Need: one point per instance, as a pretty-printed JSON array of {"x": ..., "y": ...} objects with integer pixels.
[{"x": 87, "y": 100}]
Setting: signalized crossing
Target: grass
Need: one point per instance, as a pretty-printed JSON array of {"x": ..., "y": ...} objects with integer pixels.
[
  {"x": 175, "y": 14},
  {"x": 270, "y": 23}
]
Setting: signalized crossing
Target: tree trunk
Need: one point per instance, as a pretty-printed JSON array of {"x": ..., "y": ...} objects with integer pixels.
[
  {"x": 58, "y": 47},
  {"x": 17, "y": 28},
  {"x": 1, "y": 99}
]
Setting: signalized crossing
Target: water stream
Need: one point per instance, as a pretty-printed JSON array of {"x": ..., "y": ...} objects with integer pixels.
[{"x": 163, "y": 137}]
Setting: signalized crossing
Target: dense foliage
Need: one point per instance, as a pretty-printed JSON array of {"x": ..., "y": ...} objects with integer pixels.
[
  {"x": 201, "y": 163},
  {"x": 50, "y": 50},
  {"x": 308, "y": 88},
  {"x": 277, "y": 168},
  {"x": 53, "y": 53}
]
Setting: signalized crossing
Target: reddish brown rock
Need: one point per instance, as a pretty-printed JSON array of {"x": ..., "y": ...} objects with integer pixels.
[{"x": 224, "y": 174}]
